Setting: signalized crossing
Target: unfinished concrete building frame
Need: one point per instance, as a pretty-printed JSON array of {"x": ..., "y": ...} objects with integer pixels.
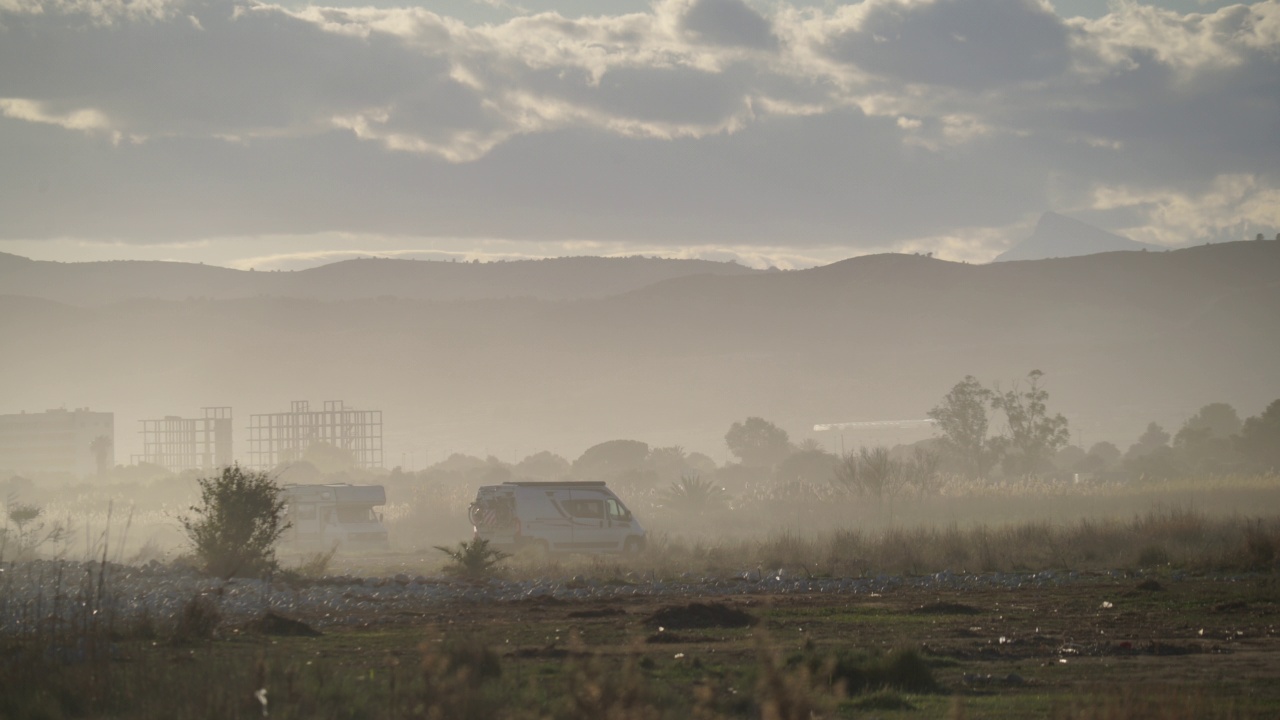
[
  {"x": 178, "y": 444},
  {"x": 284, "y": 437}
]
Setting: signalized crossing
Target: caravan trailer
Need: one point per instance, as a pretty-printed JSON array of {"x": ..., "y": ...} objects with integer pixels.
[{"x": 322, "y": 516}]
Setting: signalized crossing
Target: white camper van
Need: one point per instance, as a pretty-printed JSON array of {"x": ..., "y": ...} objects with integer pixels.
[
  {"x": 324, "y": 515},
  {"x": 583, "y": 517}
]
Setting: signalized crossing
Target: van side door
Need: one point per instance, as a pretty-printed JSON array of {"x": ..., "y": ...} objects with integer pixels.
[{"x": 591, "y": 529}]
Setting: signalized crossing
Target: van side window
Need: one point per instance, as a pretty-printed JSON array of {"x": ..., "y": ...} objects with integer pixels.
[
  {"x": 589, "y": 509},
  {"x": 616, "y": 511}
]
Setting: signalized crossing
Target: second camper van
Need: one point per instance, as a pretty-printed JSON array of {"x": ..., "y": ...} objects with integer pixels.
[
  {"x": 322, "y": 516},
  {"x": 583, "y": 517}
]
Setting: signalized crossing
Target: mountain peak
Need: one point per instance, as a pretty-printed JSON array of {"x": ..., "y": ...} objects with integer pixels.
[{"x": 1060, "y": 236}]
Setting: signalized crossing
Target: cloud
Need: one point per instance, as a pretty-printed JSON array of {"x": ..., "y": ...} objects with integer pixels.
[
  {"x": 701, "y": 123},
  {"x": 85, "y": 119},
  {"x": 728, "y": 22},
  {"x": 1233, "y": 207},
  {"x": 973, "y": 44}
]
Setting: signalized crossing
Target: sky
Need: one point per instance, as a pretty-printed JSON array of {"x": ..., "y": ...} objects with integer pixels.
[{"x": 774, "y": 133}]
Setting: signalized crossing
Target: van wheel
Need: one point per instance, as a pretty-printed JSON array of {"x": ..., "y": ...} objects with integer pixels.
[
  {"x": 633, "y": 546},
  {"x": 539, "y": 550}
]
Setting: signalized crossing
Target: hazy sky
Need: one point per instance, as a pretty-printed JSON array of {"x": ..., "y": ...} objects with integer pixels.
[{"x": 776, "y": 132}]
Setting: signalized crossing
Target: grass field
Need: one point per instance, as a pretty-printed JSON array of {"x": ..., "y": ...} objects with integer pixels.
[
  {"x": 1171, "y": 612},
  {"x": 1112, "y": 647}
]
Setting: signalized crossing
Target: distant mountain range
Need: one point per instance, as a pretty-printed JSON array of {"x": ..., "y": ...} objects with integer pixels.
[
  {"x": 1123, "y": 338},
  {"x": 1058, "y": 236},
  {"x": 573, "y": 278}
]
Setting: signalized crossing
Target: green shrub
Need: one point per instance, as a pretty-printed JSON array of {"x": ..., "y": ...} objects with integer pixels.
[
  {"x": 238, "y": 521},
  {"x": 472, "y": 559}
]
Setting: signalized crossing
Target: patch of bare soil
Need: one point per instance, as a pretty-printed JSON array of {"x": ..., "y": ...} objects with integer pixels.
[
  {"x": 597, "y": 613},
  {"x": 946, "y": 608},
  {"x": 273, "y": 624},
  {"x": 698, "y": 615}
]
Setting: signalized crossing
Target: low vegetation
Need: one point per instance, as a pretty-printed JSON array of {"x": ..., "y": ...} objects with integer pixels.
[
  {"x": 236, "y": 524},
  {"x": 1105, "y": 649},
  {"x": 475, "y": 559}
]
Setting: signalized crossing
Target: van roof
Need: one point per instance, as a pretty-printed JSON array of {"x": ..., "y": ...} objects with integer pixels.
[{"x": 566, "y": 483}]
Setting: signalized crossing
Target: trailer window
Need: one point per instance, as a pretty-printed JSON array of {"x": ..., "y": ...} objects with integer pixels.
[
  {"x": 305, "y": 512},
  {"x": 355, "y": 514}
]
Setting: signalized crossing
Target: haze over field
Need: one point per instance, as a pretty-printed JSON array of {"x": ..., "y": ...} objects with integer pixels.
[{"x": 1123, "y": 338}]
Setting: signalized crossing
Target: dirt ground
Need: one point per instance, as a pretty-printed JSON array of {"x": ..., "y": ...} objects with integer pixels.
[{"x": 1001, "y": 653}]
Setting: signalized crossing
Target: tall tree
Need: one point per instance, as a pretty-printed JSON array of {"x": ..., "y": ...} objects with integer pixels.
[
  {"x": 1153, "y": 439},
  {"x": 1204, "y": 444},
  {"x": 1260, "y": 438},
  {"x": 1215, "y": 420},
  {"x": 610, "y": 459},
  {"x": 758, "y": 442},
  {"x": 962, "y": 420},
  {"x": 1034, "y": 434}
]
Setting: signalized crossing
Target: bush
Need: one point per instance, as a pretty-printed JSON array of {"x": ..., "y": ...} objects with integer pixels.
[
  {"x": 25, "y": 532},
  {"x": 472, "y": 559},
  {"x": 238, "y": 521}
]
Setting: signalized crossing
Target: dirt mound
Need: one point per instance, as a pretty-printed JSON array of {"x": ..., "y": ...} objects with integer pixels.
[
  {"x": 700, "y": 615},
  {"x": 946, "y": 608},
  {"x": 273, "y": 624},
  {"x": 597, "y": 613},
  {"x": 1231, "y": 606},
  {"x": 1149, "y": 585}
]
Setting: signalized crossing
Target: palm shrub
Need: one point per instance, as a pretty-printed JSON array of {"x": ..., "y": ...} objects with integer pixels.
[
  {"x": 472, "y": 559},
  {"x": 693, "y": 494},
  {"x": 28, "y": 531},
  {"x": 237, "y": 523}
]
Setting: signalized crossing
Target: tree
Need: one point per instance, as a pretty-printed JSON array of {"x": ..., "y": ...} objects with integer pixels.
[
  {"x": 101, "y": 448},
  {"x": 962, "y": 420},
  {"x": 611, "y": 459},
  {"x": 758, "y": 442},
  {"x": 237, "y": 523},
  {"x": 543, "y": 466},
  {"x": 877, "y": 474},
  {"x": 1217, "y": 420},
  {"x": 811, "y": 466},
  {"x": 1203, "y": 445},
  {"x": 1152, "y": 440},
  {"x": 1102, "y": 456},
  {"x": 28, "y": 532},
  {"x": 1034, "y": 435},
  {"x": 668, "y": 462},
  {"x": 1259, "y": 439}
]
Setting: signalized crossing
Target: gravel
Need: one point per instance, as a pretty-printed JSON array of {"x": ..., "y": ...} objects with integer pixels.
[{"x": 41, "y": 592}]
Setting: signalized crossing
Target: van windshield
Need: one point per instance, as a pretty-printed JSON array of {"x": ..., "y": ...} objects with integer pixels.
[{"x": 617, "y": 511}]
